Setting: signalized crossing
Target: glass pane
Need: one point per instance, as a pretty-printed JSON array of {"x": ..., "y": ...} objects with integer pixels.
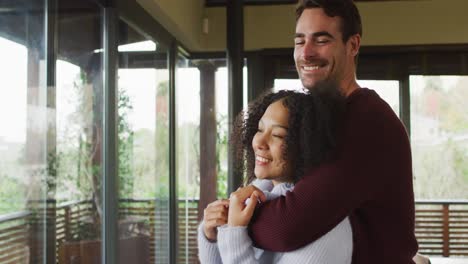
[
  {"x": 387, "y": 90},
  {"x": 143, "y": 81},
  {"x": 439, "y": 136},
  {"x": 287, "y": 84},
  {"x": 79, "y": 133},
  {"x": 222, "y": 103},
  {"x": 221, "y": 88},
  {"x": 187, "y": 157},
  {"x": 23, "y": 133}
]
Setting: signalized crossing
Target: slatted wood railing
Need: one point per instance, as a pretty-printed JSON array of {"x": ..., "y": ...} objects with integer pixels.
[
  {"x": 14, "y": 238},
  {"x": 441, "y": 228}
]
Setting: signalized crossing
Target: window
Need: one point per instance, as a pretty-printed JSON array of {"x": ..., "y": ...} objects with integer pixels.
[
  {"x": 387, "y": 90},
  {"x": 439, "y": 136},
  {"x": 143, "y": 101}
]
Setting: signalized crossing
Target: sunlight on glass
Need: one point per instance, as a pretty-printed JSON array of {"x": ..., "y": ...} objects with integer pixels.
[
  {"x": 13, "y": 117},
  {"x": 287, "y": 84},
  {"x": 389, "y": 91},
  {"x": 13, "y": 91},
  {"x": 68, "y": 92},
  {"x": 140, "y": 86},
  {"x": 147, "y": 45}
]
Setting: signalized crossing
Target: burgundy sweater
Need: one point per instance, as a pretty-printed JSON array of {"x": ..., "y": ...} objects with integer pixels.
[{"x": 369, "y": 180}]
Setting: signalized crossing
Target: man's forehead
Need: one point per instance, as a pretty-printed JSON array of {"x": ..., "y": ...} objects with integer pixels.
[{"x": 316, "y": 17}]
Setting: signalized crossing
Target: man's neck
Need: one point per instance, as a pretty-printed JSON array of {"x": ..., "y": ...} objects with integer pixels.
[{"x": 348, "y": 87}]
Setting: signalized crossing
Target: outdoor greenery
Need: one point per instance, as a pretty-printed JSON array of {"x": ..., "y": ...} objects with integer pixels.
[
  {"x": 440, "y": 140},
  {"x": 222, "y": 155}
]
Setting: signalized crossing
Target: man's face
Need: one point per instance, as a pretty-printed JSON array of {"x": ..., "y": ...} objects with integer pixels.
[{"x": 319, "y": 51}]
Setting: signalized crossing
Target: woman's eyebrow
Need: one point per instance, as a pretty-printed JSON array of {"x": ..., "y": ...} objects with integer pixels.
[{"x": 280, "y": 126}]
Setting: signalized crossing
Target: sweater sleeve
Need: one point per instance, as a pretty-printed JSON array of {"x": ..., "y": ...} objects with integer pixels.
[
  {"x": 235, "y": 245},
  {"x": 331, "y": 191},
  {"x": 208, "y": 252}
]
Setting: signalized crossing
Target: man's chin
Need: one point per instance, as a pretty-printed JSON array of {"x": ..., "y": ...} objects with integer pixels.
[{"x": 308, "y": 84}]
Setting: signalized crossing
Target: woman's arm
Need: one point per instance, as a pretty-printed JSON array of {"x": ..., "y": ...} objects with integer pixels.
[
  {"x": 214, "y": 215},
  {"x": 208, "y": 252},
  {"x": 234, "y": 243}
]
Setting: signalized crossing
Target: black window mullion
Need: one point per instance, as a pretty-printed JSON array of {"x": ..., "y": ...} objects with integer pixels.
[
  {"x": 110, "y": 138},
  {"x": 173, "y": 204}
]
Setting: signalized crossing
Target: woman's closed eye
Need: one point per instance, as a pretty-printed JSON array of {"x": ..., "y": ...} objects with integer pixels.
[{"x": 280, "y": 136}]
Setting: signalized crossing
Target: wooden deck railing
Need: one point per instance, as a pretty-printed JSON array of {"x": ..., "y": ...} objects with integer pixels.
[
  {"x": 14, "y": 238},
  {"x": 441, "y": 228}
]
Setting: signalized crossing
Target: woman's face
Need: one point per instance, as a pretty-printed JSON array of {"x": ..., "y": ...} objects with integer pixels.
[{"x": 269, "y": 143}]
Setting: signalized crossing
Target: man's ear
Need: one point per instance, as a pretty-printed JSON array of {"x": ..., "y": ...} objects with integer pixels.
[{"x": 353, "y": 44}]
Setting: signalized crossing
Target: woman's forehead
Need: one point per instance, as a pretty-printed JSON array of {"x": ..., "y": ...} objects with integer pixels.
[{"x": 276, "y": 113}]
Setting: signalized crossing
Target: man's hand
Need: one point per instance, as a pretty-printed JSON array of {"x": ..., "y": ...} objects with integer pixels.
[
  {"x": 214, "y": 215},
  {"x": 239, "y": 213}
]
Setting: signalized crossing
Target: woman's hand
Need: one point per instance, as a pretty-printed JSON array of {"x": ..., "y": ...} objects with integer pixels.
[
  {"x": 214, "y": 215},
  {"x": 240, "y": 213}
]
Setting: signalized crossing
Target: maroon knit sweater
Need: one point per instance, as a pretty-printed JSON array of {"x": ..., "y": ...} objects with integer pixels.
[{"x": 370, "y": 180}]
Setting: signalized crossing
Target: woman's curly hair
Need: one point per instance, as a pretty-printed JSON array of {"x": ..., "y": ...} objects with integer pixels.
[{"x": 314, "y": 118}]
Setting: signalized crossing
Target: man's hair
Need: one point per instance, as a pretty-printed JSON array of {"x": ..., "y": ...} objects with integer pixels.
[
  {"x": 345, "y": 9},
  {"x": 314, "y": 118}
]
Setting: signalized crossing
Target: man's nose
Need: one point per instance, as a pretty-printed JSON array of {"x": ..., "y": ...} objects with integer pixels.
[{"x": 309, "y": 50}]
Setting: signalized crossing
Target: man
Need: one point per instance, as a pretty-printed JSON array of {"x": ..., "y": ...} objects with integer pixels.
[{"x": 370, "y": 178}]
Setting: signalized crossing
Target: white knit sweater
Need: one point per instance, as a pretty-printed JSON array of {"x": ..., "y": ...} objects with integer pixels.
[{"x": 235, "y": 246}]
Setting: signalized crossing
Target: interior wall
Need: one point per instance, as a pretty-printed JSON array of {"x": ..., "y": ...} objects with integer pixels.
[{"x": 415, "y": 22}]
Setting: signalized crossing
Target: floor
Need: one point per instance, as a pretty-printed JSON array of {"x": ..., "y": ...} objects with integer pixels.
[{"x": 440, "y": 260}]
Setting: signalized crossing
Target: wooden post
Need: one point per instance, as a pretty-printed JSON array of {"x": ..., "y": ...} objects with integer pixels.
[
  {"x": 208, "y": 176},
  {"x": 67, "y": 223},
  {"x": 445, "y": 230}
]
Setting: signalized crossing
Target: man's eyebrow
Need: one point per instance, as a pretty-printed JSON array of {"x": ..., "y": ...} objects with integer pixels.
[
  {"x": 322, "y": 34},
  {"x": 315, "y": 35},
  {"x": 299, "y": 35}
]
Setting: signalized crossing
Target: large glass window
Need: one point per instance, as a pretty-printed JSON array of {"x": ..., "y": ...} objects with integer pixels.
[
  {"x": 439, "y": 136},
  {"x": 187, "y": 157},
  {"x": 23, "y": 140},
  {"x": 50, "y": 144},
  {"x": 143, "y": 138},
  {"x": 75, "y": 168}
]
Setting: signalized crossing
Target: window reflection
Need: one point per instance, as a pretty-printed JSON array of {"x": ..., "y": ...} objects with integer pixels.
[
  {"x": 143, "y": 88},
  {"x": 187, "y": 157},
  {"x": 23, "y": 142}
]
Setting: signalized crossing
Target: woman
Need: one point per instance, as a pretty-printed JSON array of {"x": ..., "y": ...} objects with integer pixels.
[{"x": 285, "y": 134}]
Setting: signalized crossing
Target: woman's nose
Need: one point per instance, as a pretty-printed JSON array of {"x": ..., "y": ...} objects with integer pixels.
[{"x": 260, "y": 142}]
